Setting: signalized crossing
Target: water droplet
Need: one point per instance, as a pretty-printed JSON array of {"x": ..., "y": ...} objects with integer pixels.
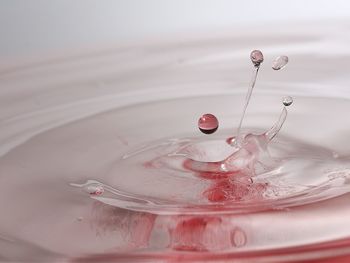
[
  {"x": 208, "y": 123},
  {"x": 287, "y": 101},
  {"x": 257, "y": 57},
  {"x": 280, "y": 62},
  {"x": 238, "y": 237},
  {"x": 94, "y": 189}
]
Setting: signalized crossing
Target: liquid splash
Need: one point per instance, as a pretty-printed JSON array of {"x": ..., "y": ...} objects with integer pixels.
[
  {"x": 292, "y": 206},
  {"x": 238, "y": 175},
  {"x": 233, "y": 174}
]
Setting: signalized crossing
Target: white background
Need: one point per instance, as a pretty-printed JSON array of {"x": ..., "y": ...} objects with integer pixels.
[{"x": 30, "y": 29}]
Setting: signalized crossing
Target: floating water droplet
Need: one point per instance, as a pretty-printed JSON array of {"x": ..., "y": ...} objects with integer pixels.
[
  {"x": 208, "y": 123},
  {"x": 94, "y": 189},
  {"x": 287, "y": 100},
  {"x": 257, "y": 57},
  {"x": 280, "y": 62}
]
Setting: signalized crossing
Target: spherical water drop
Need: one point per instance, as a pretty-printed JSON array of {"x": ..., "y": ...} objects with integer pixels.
[
  {"x": 257, "y": 57},
  {"x": 208, "y": 123},
  {"x": 287, "y": 101},
  {"x": 94, "y": 189},
  {"x": 280, "y": 62}
]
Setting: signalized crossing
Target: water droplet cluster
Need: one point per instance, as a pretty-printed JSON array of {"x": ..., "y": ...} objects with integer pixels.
[{"x": 208, "y": 123}]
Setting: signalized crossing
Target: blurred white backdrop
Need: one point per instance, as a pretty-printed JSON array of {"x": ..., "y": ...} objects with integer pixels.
[{"x": 33, "y": 28}]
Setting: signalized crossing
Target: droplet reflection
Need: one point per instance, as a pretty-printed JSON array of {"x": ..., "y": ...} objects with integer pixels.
[{"x": 208, "y": 123}]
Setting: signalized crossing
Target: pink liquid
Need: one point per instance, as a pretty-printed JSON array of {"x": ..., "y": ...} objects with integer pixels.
[
  {"x": 161, "y": 194},
  {"x": 218, "y": 215},
  {"x": 208, "y": 123}
]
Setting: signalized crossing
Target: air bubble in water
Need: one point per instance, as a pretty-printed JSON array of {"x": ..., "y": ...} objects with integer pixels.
[
  {"x": 208, "y": 123},
  {"x": 238, "y": 237},
  {"x": 287, "y": 101},
  {"x": 280, "y": 62},
  {"x": 257, "y": 57},
  {"x": 94, "y": 189}
]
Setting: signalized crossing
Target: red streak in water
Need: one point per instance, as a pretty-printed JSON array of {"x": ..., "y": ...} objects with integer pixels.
[
  {"x": 189, "y": 233},
  {"x": 228, "y": 186}
]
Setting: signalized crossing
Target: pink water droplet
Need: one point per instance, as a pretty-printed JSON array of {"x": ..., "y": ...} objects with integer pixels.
[
  {"x": 257, "y": 57},
  {"x": 208, "y": 123}
]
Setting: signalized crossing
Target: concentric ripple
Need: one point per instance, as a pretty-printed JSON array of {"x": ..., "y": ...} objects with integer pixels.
[
  {"x": 185, "y": 175},
  {"x": 101, "y": 158}
]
